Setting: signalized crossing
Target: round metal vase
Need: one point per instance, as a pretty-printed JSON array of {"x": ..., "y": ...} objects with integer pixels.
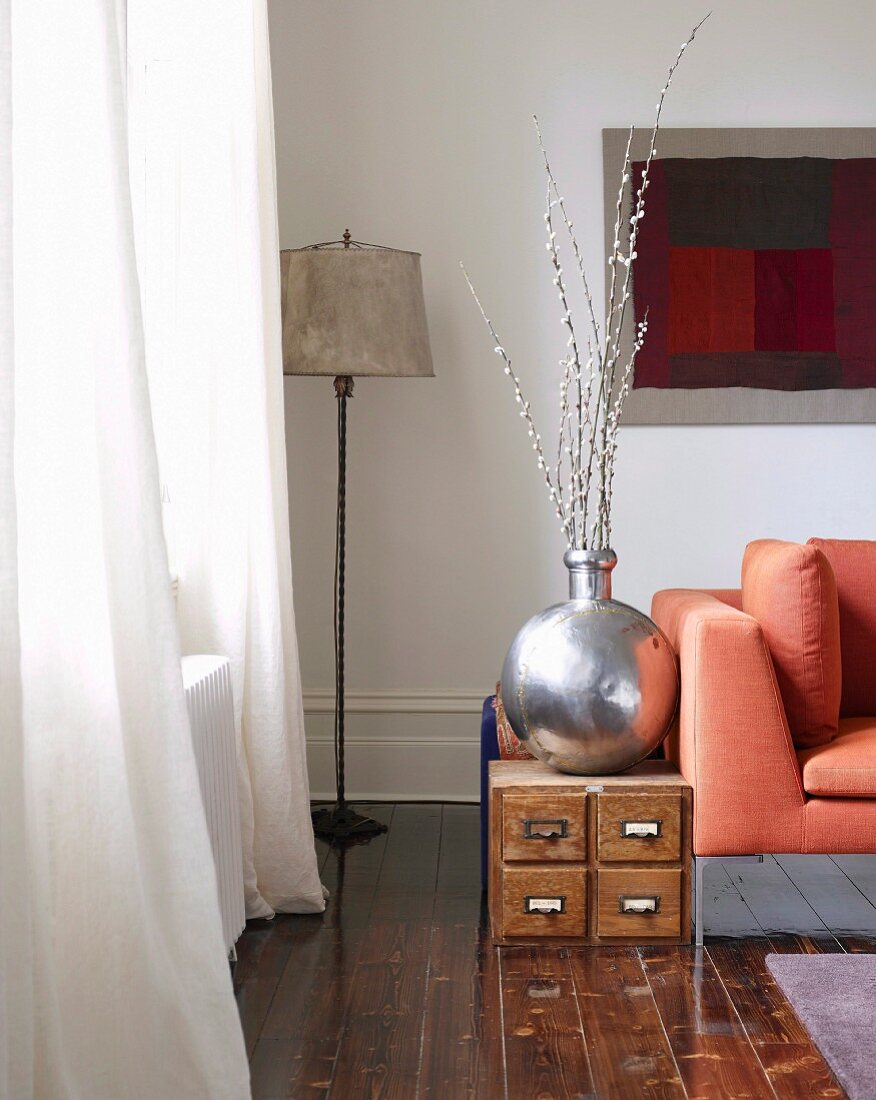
[{"x": 590, "y": 686}]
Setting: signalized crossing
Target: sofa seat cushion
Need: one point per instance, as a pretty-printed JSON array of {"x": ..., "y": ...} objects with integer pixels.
[
  {"x": 846, "y": 768},
  {"x": 854, "y": 565},
  {"x": 790, "y": 590}
]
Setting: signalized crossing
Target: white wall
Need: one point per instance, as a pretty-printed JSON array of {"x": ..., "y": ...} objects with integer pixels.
[{"x": 409, "y": 122}]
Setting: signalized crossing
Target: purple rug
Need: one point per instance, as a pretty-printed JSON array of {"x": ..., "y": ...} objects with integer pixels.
[{"x": 835, "y": 998}]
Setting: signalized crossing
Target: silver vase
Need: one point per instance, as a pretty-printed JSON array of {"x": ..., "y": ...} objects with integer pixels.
[{"x": 590, "y": 686}]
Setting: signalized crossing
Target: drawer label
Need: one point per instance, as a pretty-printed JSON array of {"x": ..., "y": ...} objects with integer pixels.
[
  {"x": 545, "y": 905},
  {"x": 641, "y": 829},
  {"x": 650, "y": 904}
]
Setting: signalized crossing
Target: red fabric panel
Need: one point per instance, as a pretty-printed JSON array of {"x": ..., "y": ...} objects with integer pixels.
[
  {"x": 853, "y": 241},
  {"x": 711, "y": 300},
  {"x": 732, "y": 305},
  {"x": 650, "y": 277},
  {"x": 794, "y": 283},
  {"x": 775, "y": 311},
  {"x": 815, "y": 327},
  {"x": 690, "y": 299}
]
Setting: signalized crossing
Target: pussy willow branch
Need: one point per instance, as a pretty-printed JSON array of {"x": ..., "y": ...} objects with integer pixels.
[
  {"x": 613, "y": 348},
  {"x": 603, "y": 397},
  {"x": 526, "y": 414},
  {"x": 614, "y": 425},
  {"x": 613, "y": 338},
  {"x": 577, "y": 491},
  {"x": 598, "y": 420},
  {"x": 626, "y": 171},
  {"x": 579, "y": 259},
  {"x": 573, "y": 357},
  {"x": 565, "y": 428}
]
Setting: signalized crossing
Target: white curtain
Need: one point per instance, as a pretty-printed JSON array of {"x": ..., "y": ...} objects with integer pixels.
[
  {"x": 203, "y": 166},
  {"x": 16, "y": 984},
  {"x": 114, "y": 980}
]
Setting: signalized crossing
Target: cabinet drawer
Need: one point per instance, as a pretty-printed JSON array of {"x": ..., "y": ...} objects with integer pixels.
[
  {"x": 544, "y": 901},
  {"x": 544, "y": 827},
  {"x": 639, "y": 828},
  {"x": 637, "y": 903}
]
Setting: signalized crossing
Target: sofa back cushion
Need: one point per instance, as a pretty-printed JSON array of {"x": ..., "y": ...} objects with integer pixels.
[
  {"x": 791, "y": 591},
  {"x": 854, "y": 566}
]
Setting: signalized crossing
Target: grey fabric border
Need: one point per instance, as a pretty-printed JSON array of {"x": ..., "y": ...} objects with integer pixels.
[{"x": 737, "y": 406}]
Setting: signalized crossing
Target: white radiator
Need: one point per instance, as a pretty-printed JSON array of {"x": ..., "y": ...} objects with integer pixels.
[{"x": 207, "y": 682}]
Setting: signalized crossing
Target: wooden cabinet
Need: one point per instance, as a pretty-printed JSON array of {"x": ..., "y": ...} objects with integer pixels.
[{"x": 589, "y": 859}]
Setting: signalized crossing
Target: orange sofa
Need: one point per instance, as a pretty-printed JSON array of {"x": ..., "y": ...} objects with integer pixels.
[{"x": 776, "y": 729}]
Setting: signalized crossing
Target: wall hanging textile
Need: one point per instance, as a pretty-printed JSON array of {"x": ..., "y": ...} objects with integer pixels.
[{"x": 757, "y": 268}]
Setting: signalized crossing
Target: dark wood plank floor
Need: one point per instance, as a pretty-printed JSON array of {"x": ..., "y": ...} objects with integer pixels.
[{"x": 395, "y": 992}]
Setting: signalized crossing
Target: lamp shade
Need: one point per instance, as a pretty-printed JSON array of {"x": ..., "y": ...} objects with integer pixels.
[{"x": 354, "y": 310}]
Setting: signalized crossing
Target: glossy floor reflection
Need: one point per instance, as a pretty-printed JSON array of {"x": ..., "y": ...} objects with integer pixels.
[{"x": 396, "y": 991}]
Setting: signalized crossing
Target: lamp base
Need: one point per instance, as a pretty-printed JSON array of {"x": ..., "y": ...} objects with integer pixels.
[{"x": 340, "y": 823}]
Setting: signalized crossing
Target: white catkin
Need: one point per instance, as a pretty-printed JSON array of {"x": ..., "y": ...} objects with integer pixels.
[{"x": 592, "y": 394}]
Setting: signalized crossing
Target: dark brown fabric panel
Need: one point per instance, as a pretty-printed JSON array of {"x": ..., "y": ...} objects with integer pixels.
[
  {"x": 766, "y": 370},
  {"x": 749, "y": 202}
]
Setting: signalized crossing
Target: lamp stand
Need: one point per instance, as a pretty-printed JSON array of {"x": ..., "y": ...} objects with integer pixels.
[{"x": 340, "y": 822}]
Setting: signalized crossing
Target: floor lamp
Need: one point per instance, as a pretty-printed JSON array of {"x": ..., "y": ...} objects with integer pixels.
[{"x": 351, "y": 310}]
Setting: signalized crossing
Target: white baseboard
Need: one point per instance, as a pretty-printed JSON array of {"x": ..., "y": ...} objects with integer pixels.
[
  {"x": 400, "y": 746},
  {"x": 322, "y": 701}
]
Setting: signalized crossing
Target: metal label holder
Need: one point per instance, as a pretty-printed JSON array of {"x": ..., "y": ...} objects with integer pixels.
[
  {"x": 638, "y": 905},
  {"x": 558, "y": 829},
  {"x": 555, "y": 904},
  {"x": 642, "y": 830}
]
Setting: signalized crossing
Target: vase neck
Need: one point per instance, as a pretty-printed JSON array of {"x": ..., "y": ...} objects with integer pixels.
[{"x": 590, "y": 573}]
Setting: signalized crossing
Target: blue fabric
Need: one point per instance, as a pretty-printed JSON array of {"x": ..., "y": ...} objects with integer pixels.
[{"x": 489, "y": 751}]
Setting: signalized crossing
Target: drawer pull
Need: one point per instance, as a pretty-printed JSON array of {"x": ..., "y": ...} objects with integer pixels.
[
  {"x": 544, "y": 906},
  {"x": 639, "y": 905},
  {"x": 545, "y": 830},
  {"x": 641, "y": 830}
]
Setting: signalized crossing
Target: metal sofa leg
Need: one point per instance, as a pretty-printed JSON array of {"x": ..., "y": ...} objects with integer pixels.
[{"x": 700, "y": 863}]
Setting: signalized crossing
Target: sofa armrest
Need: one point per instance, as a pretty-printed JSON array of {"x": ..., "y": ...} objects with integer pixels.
[{"x": 732, "y": 742}]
